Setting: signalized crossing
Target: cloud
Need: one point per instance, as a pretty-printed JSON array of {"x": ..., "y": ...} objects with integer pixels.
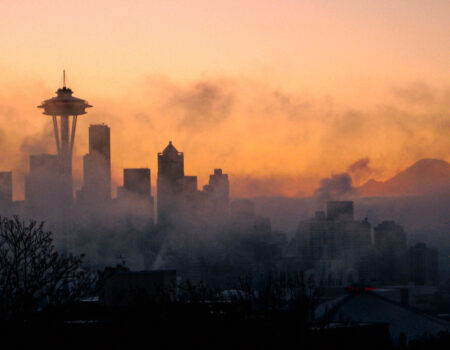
[
  {"x": 360, "y": 165},
  {"x": 293, "y": 107},
  {"x": 202, "y": 105},
  {"x": 415, "y": 93},
  {"x": 41, "y": 142},
  {"x": 271, "y": 186}
]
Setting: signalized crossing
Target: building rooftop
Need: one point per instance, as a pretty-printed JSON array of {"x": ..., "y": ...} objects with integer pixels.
[
  {"x": 170, "y": 149},
  {"x": 368, "y": 307}
]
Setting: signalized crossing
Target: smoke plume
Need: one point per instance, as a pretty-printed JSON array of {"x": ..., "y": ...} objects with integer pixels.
[
  {"x": 336, "y": 187},
  {"x": 361, "y": 170}
]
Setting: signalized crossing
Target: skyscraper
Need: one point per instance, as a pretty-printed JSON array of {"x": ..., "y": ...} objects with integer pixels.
[
  {"x": 423, "y": 265},
  {"x": 136, "y": 182},
  {"x": 218, "y": 191},
  {"x": 340, "y": 210},
  {"x": 335, "y": 244},
  {"x": 190, "y": 185},
  {"x": 100, "y": 141},
  {"x": 97, "y": 167},
  {"x": 135, "y": 196},
  {"x": 390, "y": 236},
  {"x": 5, "y": 189},
  {"x": 43, "y": 185},
  {"x": 170, "y": 181},
  {"x": 390, "y": 248}
]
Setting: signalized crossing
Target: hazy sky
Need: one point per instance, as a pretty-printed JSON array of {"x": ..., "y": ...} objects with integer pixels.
[{"x": 278, "y": 93}]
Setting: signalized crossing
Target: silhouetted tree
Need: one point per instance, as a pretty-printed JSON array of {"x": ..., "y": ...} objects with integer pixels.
[{"x": 33, "y": 274}]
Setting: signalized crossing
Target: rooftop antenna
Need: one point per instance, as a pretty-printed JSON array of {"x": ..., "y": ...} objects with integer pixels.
[{"x": 64, "y": 78}]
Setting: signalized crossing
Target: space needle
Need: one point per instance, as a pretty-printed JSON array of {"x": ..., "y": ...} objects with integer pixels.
[{"x": 65, "y": 106}]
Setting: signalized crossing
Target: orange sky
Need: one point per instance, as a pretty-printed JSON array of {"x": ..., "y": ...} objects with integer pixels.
[{"x": 277, "y": 93}]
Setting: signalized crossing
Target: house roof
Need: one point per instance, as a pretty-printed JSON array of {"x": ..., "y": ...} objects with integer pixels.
[{"x": 368, "y": 307}]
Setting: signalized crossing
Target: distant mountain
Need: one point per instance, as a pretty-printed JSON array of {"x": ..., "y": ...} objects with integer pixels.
[{"x": 427, "y": 176}]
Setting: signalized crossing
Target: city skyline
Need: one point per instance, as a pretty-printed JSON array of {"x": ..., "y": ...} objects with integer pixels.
[
  {"x": 260, "y": 80},
  {"x": 361, "y": 170},
  {"x": 223, "y": 174}
]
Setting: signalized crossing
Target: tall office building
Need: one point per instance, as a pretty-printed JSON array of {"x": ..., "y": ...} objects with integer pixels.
[
  {"x": 136, "y": 182},
  {"x": 340, "y": 210},
  {"x": 335, "y": 244},
  {"x": 134, "y": 198},
  {"x": 218, "y": 190},
  {"x": 390, "y": 236},
  {"x": 6, "y": 187},
  {"x": 44, "y": 184},
  {"x": 97, "y": 167},
  {"x": 5, "y": 192},
  {"x": 423, "y": 265},
  {"x": 390, "y": 249},
  {"x": 190, "y": 185},
  {"x": 170, "y": 184},
  {"x": 100, "y": 141}
]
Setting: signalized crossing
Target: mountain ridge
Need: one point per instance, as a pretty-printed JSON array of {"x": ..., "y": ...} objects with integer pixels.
[{"x": 426, "y": 176}]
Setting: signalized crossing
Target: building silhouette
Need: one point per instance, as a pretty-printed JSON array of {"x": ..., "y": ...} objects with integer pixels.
[
  {"x": 190, "y": 185},
  {"x": 340, "y": 211},
  {"x": 371, "y": 308},
  {"x": 170, "y": 183},
  {"x": 423, "y": 265},
  {"x": 136, "y": 182},
  {"x": 5, "y": 188},
  {"x": 218, "y": 193},
  {"x": 97, "y": 167},
  {"x": 390, "y": 250},
  {"x": 45, "y": 186},
  {"x": 136, "y": 191},
  {"x": 390, "y": 236},
  {"x": 334, "y": 245}
]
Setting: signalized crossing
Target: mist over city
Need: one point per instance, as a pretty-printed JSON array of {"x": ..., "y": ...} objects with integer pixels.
[{"x": 225, "y": 174}]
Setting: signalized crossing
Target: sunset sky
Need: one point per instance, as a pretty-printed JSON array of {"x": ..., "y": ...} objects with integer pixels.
[{"x": 277, "y": 93}]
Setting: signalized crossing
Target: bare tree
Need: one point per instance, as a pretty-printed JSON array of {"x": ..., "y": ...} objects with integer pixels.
[{"x": 32, "y": 273}]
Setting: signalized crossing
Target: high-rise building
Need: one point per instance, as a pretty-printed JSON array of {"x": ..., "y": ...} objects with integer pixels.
[
  {"x": 178, "y": 194},
  {"x": 390, "y": 236},
  {"x": 218, "y": 191},
  {"x": 134, "y": 198},
  {"x": 46, "y": 196},
  {"x": 97, "y": 167},
  {"x": 340, "y": 210},
  {"x": 100, "y": 141},
  {"x": 390, "y": 248},
  {"x": 170, "y": 183},
  {"x": 335, "y": 244},
  {"x": 136, "y": 182},
  {"x": 423, "y": 265},
  {"x": 43, "y": 185},
  {"x": 190, "y": 185},
  {"x": 5, "y": 188}
]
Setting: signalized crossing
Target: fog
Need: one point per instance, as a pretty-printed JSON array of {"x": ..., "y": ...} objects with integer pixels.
[
  {"x": 286, "y": 153},
  {"x": 274, "y": 141}
]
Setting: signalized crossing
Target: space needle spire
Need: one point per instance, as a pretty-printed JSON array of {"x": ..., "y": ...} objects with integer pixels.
[{"x": 64, "y": 108}]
